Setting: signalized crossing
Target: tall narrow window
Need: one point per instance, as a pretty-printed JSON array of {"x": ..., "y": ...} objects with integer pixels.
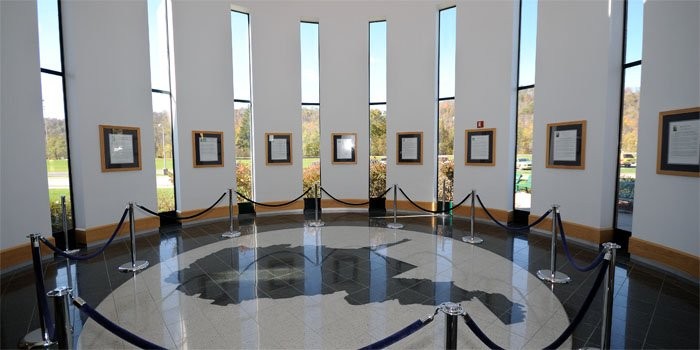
[
  {"x": 377, "y": 108},
  {"x": 526, "y": 105},
  {"x": 446, "y": 104},
  {"x": 158, "y": 35},
  {"x": 242, "y": 106},
  {"x": 310, "y": 105},
  {"x": 629, "y": 114},
  {"x": 53, "y": 102}
]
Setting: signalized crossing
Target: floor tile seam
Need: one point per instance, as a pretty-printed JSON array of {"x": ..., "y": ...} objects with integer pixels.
[{"x": 653, "y": 313}]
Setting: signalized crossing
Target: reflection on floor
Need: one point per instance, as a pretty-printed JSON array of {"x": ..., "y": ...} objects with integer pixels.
[{"x": 349, "y": 284}]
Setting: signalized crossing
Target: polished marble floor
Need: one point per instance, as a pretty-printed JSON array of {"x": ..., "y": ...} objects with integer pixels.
[{"x": 348, "y": 284}]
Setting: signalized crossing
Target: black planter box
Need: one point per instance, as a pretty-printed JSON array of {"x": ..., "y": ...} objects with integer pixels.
[
  {"x": 170, "y": 219},
  {"x": 443, "y": 206},
  {"x": 377, "y": 206},
  {"x": 310, "y": 205},
  {"x": 246, "y": 208}
]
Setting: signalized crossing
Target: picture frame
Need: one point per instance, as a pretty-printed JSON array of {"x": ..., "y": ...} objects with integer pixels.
[
  {"x": 344, "y": 147},
  {"x": 480, "y": 147},
  {"x": 678, "y": 150},
  {"x": 409, "y": 148},
  {"x": 566, "y": 145},
  {"x": 278, "y": 148},
  {"x": 207, "y": 149},
  {"x": 120, "y": 148}
]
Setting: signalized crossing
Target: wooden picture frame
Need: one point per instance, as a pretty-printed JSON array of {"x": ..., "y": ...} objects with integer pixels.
[
  {"x": 409, "y": 148},
  {"x": 278, "y": 148},
  {"x": 677, "y": 151},
  {"x": 480, "y": 147},
  {"x": 120, "y": 148},
  {"x": 344, "y": 147},
  {"x": 566, "y": 145},
  {"x": 207, "y": 149}
]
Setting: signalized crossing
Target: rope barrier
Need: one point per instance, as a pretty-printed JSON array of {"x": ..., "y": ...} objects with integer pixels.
[
  {"x": 114, "y": 328},
  {"x": 384, "y": 193},
  {"x": 175, "y": 217},
  {"x": 41, "y": 291},
  {"x": 408, "y": 330},
  {"x": 434, "y": 211},
  {"x": 340, "y": 201},
  {"x": 274, "y": 205},
  {"x": 88, "y": 256},
  {"x": 524, "y": 228},
  {"x": 598, "y": 259},
  {"x": 567, "y": 332}
]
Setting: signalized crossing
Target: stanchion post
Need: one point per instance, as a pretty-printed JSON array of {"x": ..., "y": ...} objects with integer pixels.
[
  {"x": 394, "y": 225},
  {"x": 552, "y": 275},
  {"x": 134, "y": 265},
  {"x": 472, "y": 217},
  {"x": 64, "y": 329},
  {"x": 64, "y": 219},
  {"x": 38, "y": 338},
  {"x": 231, "y": 232},
  {"x": 609, "y": 292},
  {"x": 317, "y": 203},
  {"x": 452, "y": 312},
  {"x": 442, "y": 199}
]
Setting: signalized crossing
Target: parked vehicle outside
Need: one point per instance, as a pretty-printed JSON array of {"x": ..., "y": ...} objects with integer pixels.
[
  {"x": 523, "y": 164},
  {"x": 628, "y": 160}
]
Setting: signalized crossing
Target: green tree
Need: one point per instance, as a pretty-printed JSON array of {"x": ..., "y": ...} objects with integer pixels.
[
  {"x": 242, "y": 131},
  {"x": 377, "y": 132},
  {"x": 526, "y": 113},
  {"x": 446, "y": 127},
  {"x": 310, "y": 132},
  {"x": 630, "y": 120},
  {"x": 56, "y": 147}
]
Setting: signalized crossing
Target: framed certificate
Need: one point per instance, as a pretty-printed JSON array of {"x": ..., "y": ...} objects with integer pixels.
[
  {"x": 278, "y": 148},
  {"x": 207, "y": 148},
  {"x": 409, "y": 147},
  {"x": 566, "y": 145},
  {"x": 480, "y": 147},
  {"x": 344, "y": 148},
  {"x": 120, "y": 148},
  {"x": 678, "y": 151}
]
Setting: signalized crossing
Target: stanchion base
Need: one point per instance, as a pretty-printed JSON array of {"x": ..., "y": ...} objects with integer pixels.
[
  {"x": 394, "y": 225},
  {"x": 559, "y": 277},
  {"x": 72, "y": 251},
  {"x": 472, "y": 240},
  {"x": 317, "y": 223},
  {"x": 137, "y": 266},
  {"x": 231, "y": 234},
  {"x": 33, "y": 340}
]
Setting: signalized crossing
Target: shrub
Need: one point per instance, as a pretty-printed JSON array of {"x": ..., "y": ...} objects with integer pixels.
[
  {"x": 446, "y": 174},
  {"x": 312, "y": 175},
  {"x": 377, "y": 178},
  {"x": 244, "y": 179}
]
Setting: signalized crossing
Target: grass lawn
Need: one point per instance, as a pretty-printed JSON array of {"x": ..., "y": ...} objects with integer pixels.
[
  {"x": 56, "y": 193},
  {"x": 57, "y": 165}
]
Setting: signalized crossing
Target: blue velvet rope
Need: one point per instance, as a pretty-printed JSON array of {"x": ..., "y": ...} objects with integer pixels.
[
  {"x": 88, "y": 256},
  {"x": 584, "y": 308},
  {"x": 274, "y": 205},
  {"x": 434, "y": 211},
  {"x": 567, "y": 332},
  {"x": 116, "y": 329},
  {"x": 388, "y": 341},
  {"x": 41, "y": 292},
  {"x": 525, "y": 228},
  {"x": 598, "y": 259},
  {"x": 175, "y": 217}
]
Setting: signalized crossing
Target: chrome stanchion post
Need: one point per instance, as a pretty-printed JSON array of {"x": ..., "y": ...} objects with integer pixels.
[
  {"x": 231, "y": 232},
  {"x": 552, "y": 275},
  {"x": 64, "y": 219},
  {"x": 38, "y": 338},
  {"x": 608, "y": 293},
  {"x": 64, "y": 330},
  {"x": 394, "y": 225},
  {"x": 472, "y": 215},
  {"x": 444, "y": 203},
  {"x": 317, "y": 203},
  {"x": 452, "y": 312},
  {"x": 134, "y": 265}
]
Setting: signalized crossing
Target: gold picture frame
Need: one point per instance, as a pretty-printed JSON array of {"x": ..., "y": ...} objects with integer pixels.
[{"x": 120, "y": 148}]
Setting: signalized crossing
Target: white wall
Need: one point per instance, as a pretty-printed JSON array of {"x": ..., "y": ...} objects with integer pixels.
[
  {"x": 666, "y": 206},
  {"x": 412, "y": 92},
  {"x": 203, "y": 97},
  {"x": 578, "y": 78},
  {"x": 344, "y": 99},
  {"x": 24, "y": 203},
  {"x": 108, "y": 82},
  {"x": 485, "y": 85}
]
